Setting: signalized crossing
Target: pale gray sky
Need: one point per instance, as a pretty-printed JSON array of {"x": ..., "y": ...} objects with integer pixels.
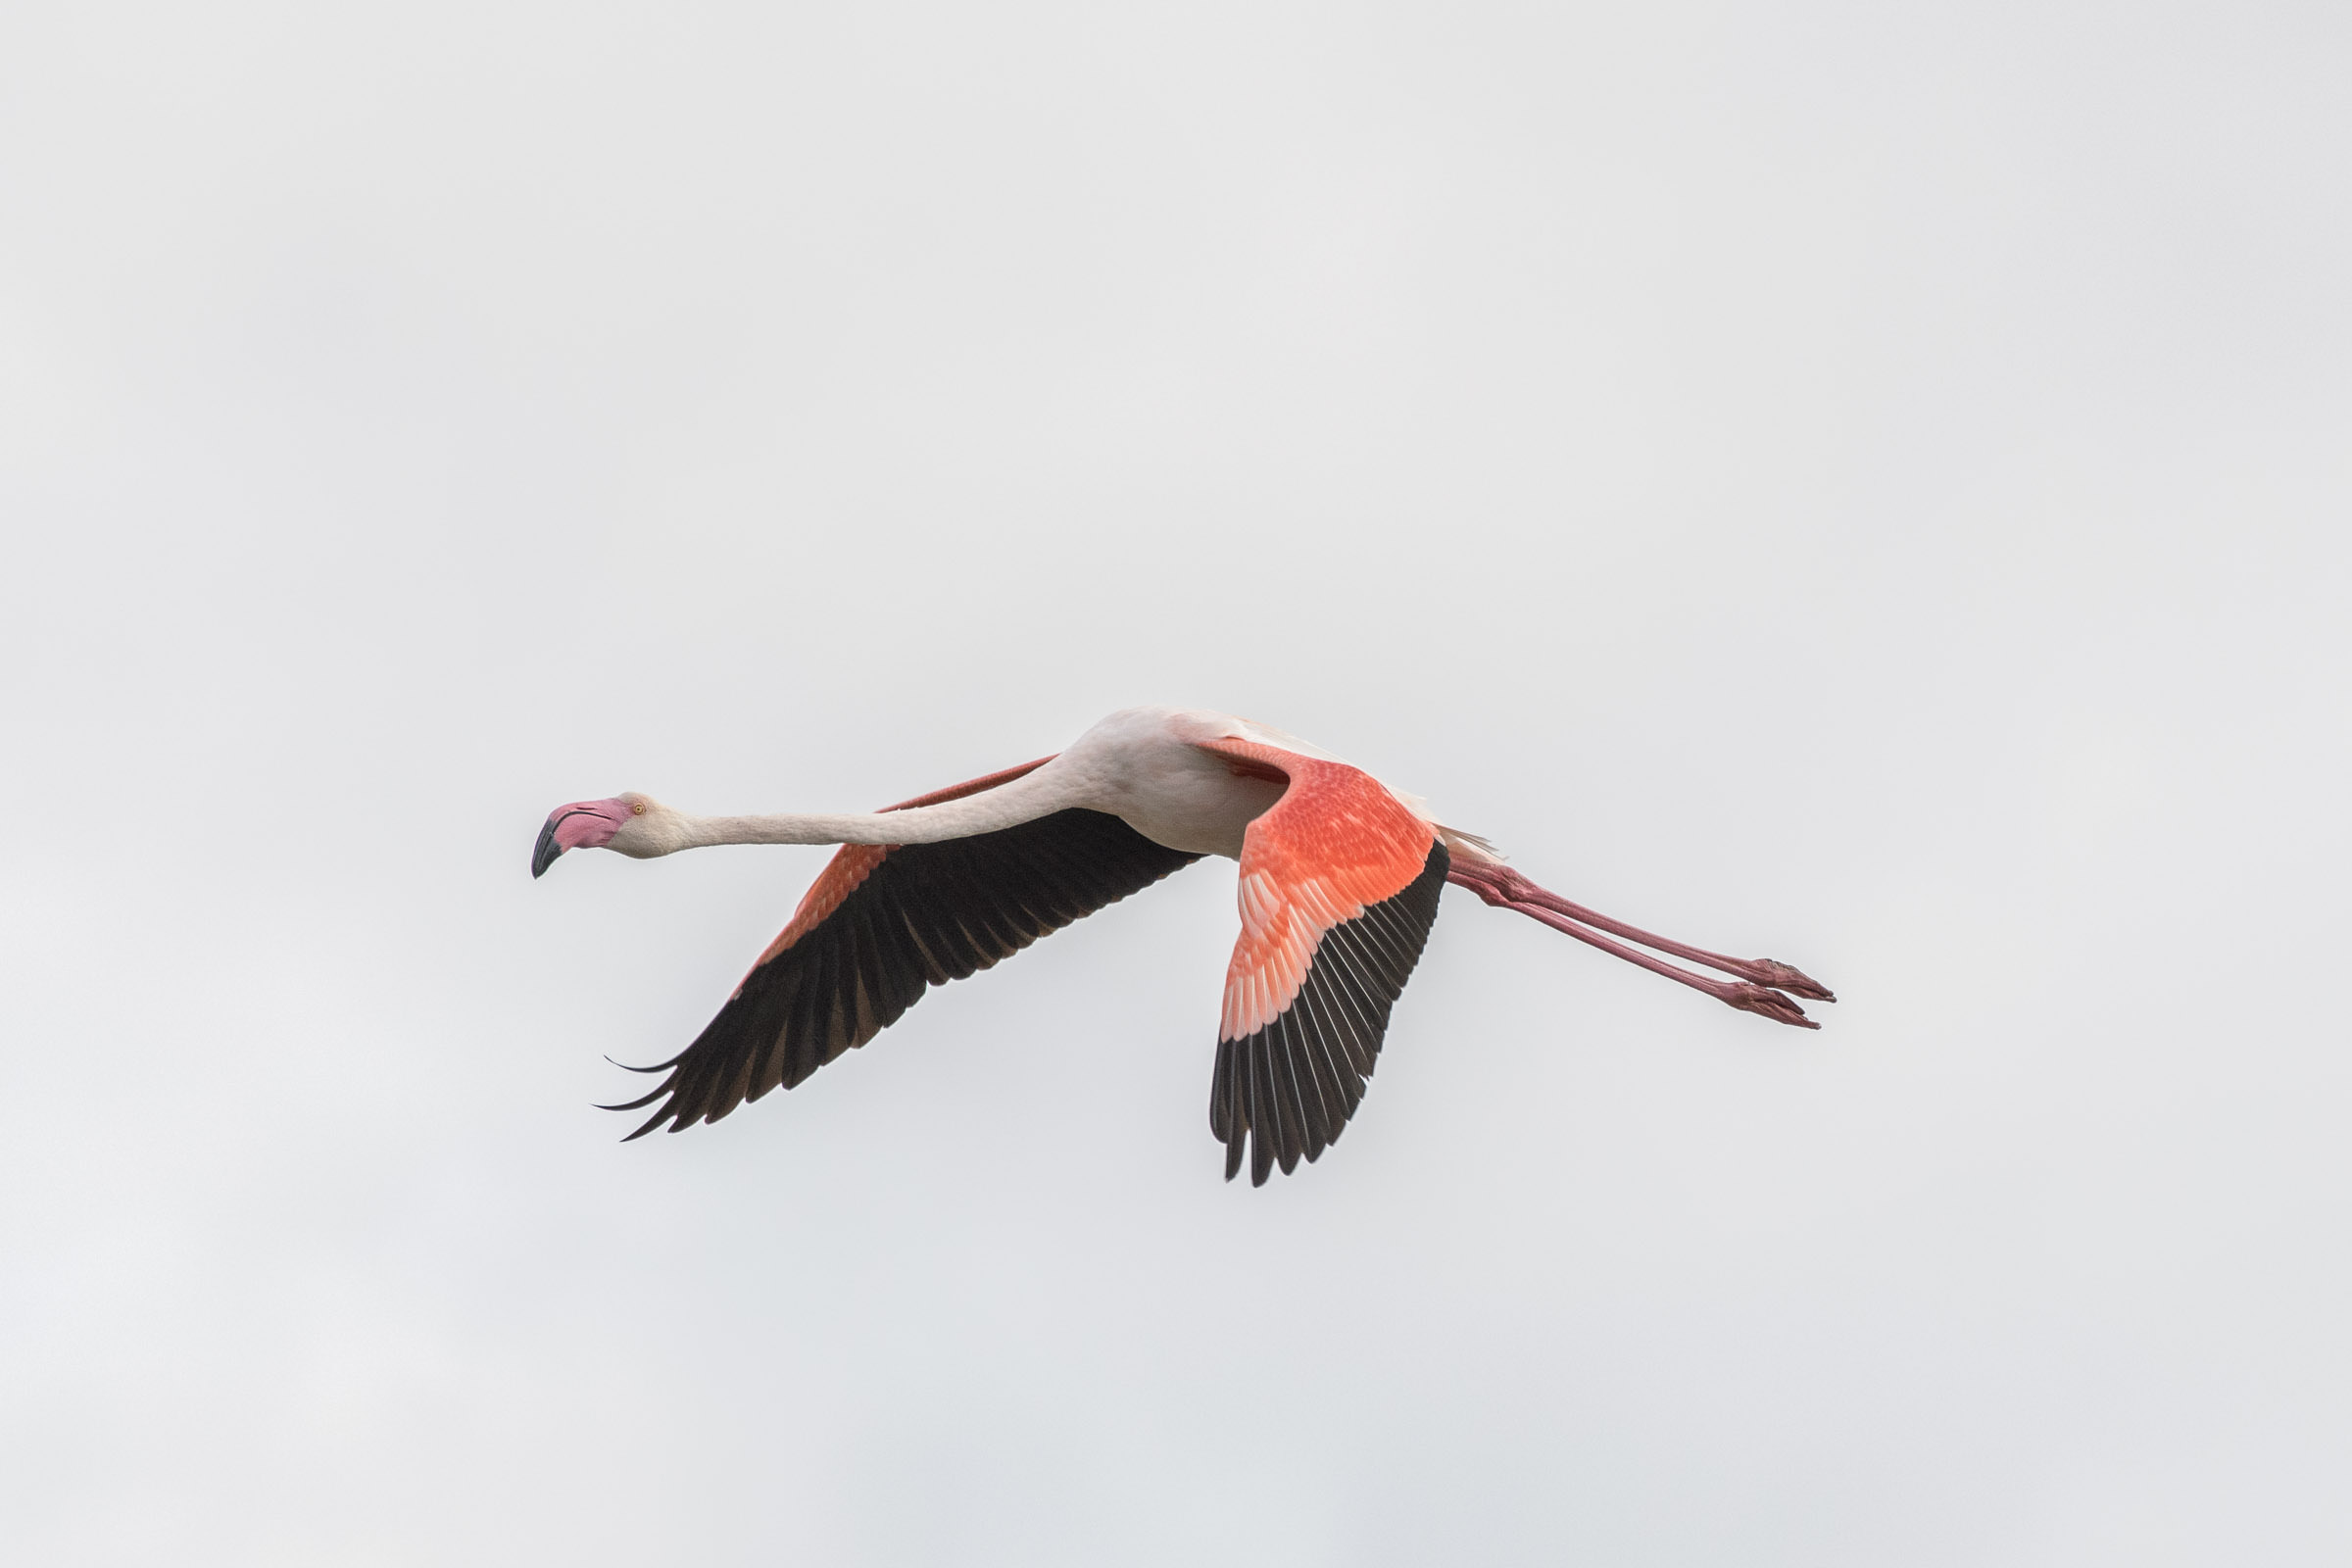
[{"x": 1864, "y": 485}]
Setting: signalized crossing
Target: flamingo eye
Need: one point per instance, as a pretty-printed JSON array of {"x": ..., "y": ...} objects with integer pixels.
[{"x": 636, "y": 807}]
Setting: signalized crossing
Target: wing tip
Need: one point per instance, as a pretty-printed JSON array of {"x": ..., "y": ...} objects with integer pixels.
[
  {"x": 656, "y": 1067},
  {"x": 659, "y": 1117}
]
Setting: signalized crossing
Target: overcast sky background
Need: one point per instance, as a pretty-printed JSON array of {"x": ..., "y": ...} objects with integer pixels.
[{"x": 1861, "y": 485}]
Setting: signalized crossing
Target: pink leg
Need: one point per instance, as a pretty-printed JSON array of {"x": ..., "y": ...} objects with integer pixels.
[{"x": 1761, "y": 980}]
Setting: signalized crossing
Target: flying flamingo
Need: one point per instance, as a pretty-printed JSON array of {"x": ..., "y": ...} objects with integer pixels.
[{"x": 1339, "y": 879}]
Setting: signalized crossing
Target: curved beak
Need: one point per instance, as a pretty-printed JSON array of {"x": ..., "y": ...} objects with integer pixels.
[
  {"x": 583, "y": 825},
  {"x": 544, "y": 853}
]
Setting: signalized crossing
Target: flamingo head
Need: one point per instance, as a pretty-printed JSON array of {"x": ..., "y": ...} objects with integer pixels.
[{"x": 589, "y": 825}]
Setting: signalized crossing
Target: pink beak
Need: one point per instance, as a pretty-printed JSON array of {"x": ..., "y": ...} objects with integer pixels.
[{"x": 583, "y": 825}]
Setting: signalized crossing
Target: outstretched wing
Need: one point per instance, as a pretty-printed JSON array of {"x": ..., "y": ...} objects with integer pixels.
[
  {"x": 881, "y": 924},
  {"x": 1340, "y": 885}
]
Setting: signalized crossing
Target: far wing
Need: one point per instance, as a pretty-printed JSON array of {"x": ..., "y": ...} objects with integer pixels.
[
  {"x": 1340, "y": 885},
  {"x": 882, "y": 923}
]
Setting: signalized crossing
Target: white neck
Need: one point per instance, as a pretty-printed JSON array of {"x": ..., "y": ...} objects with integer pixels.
[{"x": 1022, "y": 799}]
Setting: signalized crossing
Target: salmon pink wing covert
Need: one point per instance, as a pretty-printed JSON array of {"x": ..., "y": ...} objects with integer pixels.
[{"x": 1339, "y": 888}]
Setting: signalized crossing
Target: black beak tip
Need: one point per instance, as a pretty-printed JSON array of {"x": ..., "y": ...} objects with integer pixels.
[{"x": 544, "y": 853}]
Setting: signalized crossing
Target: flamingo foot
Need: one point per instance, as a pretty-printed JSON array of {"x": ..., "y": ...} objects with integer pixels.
[
  {"x": 1748, "y": 997},
  {"x": 1789, "y": 978}
]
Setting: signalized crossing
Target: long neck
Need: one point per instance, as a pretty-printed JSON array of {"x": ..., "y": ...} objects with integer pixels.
[{"x": 1024, "y": 800}]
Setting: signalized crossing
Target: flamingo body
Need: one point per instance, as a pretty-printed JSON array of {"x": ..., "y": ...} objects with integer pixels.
[{"x": 1338, "y": 888}]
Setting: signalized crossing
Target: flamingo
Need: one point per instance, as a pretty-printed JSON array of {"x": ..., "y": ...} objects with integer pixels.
[{"x": 1339, "y": 877}]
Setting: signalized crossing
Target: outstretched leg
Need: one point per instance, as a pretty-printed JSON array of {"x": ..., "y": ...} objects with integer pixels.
[{"x": 1758, "y": 989}]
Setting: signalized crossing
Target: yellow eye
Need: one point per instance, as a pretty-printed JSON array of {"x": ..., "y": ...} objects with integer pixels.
[{"x": 636, "y": 807}]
